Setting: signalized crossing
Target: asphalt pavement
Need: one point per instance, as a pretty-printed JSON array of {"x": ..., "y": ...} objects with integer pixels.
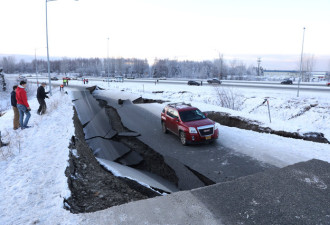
[
  {"x": 213, "y": 161},
  {"x": 297, "y": 194}
]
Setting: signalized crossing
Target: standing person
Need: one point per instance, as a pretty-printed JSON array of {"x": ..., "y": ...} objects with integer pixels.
[
  {"x": 14, "y": 105},
  {"x": 61, "y": 87},
  {"x": 67, "y": 82},
  {"x": 41, "y": 95},
  {"x": 23, "y": 105},
  {"x": 64, "y": 81},
  {"x": 84, "y": 80}
]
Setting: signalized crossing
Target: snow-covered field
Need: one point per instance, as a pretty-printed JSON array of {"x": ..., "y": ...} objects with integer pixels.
[{"x": 33, "y": 183}]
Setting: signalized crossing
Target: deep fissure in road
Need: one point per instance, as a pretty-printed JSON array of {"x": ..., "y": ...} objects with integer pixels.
[{"x": 94, "y": 188}]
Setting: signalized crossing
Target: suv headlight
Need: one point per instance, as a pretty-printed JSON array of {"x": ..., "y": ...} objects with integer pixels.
[{"x": 192, "y": 130}]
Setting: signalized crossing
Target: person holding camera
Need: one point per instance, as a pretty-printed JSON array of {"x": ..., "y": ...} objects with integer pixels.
[
  {"x": 41, "y": 95},
  {"x": 23, "y": 105}
]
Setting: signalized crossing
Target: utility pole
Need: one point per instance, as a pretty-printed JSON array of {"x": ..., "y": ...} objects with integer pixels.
[{"x": 301, "y": 59}]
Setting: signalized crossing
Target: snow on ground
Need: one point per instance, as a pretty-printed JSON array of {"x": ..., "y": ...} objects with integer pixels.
[{"x": 33, "y": 183}]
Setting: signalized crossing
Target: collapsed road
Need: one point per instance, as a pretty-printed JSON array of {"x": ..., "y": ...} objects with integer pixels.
[
  {"x": 127, "y": 141},
  {"x": 214, "y": 161}
]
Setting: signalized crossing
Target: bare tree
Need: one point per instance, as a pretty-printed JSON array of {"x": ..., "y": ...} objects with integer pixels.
[
  {"x": 220, "y": 64},
  {"x": 308, "y": 64},
  {"x": 8, "y": 64}
]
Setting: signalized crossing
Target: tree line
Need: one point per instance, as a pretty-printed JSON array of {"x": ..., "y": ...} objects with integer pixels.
[
  {"x": 82, "y": 66},
  {"x": 132, "y": 67}
]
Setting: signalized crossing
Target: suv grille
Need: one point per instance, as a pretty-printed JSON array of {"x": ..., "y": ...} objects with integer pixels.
[{"x": 206, "y": 131}]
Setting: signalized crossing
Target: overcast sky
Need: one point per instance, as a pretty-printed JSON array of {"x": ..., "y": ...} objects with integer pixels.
[{"x": 175, "y": 29}]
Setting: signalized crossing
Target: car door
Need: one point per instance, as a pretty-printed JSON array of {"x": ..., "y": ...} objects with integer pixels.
[
  {"x": 176, "y": 122},
  {"x": 170, "y": 119}
]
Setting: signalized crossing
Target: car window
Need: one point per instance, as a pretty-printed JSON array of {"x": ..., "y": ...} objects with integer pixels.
[
  {"x": 175, "y": 113},
  {"x": 192, "y": 115},
  {"x": 170, "y": 112}
]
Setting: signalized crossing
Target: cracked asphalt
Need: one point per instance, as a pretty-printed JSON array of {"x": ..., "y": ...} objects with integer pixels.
[{"x": 213, "y": 161}]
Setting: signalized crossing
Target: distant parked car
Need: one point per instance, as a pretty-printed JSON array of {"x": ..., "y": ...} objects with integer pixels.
[
  {"x": 286, "y": 81},
  {"x": 162, "y": 78},
  {"x": 192, "y": 82},
  {"x": 214, "y": 81},
  {"x": 130, "y": 78},
  {"x": 328, "y": 84},
  {"x": 21, "y": 78},
  {"x": 54, "y": 78},
  {"x": 109, "y": 80}
]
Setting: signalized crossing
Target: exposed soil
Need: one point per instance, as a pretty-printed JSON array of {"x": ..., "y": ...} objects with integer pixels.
[
  {"x": 152, "y": 161},
  {"x": 92, "y": 187},
  {"x": 239, "y": 122}
]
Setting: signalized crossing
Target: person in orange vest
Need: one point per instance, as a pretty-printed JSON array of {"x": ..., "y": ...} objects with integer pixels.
[{"x": 61, "y": 87}]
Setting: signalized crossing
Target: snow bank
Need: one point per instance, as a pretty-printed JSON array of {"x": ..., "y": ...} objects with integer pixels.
[{"x": 33, "y": 183}]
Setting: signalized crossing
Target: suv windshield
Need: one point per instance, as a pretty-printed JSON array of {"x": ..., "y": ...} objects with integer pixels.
[{"x": 192, "y": 115}]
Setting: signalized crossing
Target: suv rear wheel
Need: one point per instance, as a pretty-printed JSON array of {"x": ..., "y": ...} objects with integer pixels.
[
  {"x": 164, "y": 128},
  {"x": 183, "y": 138}
]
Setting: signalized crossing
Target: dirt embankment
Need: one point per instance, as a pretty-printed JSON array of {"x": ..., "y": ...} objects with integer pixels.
[{"x": 242, "y": 123}]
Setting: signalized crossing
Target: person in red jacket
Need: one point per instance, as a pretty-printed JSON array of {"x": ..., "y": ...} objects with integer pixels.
[{"x": 23, "y": 105}]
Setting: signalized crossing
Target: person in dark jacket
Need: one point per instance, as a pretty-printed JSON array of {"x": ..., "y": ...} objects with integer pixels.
[
  {"x": 41, "y": 95},
  {"x": 14, "y": 105}
]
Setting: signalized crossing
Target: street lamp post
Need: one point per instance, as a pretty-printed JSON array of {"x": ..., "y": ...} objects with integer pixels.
[
  {"x": 301, "y": 59},
  {"x": 49, "y": 80}
]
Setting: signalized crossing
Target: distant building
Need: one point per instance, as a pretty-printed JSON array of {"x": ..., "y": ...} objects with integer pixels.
[
  {"x": 314, "y": 75},
  {"x": 281, "y": 73},
  {"x": 319, "y": 74}
]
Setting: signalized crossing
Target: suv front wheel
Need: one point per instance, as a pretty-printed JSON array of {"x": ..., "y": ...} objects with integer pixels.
[{"x": 183, "y": 138}]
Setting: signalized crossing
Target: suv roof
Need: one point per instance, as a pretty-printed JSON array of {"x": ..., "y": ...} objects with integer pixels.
[{"x": 181, "y": 106}]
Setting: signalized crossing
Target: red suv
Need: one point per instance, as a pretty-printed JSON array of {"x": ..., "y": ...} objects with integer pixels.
[{"x": 189, "y": 123}]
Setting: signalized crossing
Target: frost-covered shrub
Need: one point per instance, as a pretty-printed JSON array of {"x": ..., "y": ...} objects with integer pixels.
[{"x": 229, "y": 98}]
